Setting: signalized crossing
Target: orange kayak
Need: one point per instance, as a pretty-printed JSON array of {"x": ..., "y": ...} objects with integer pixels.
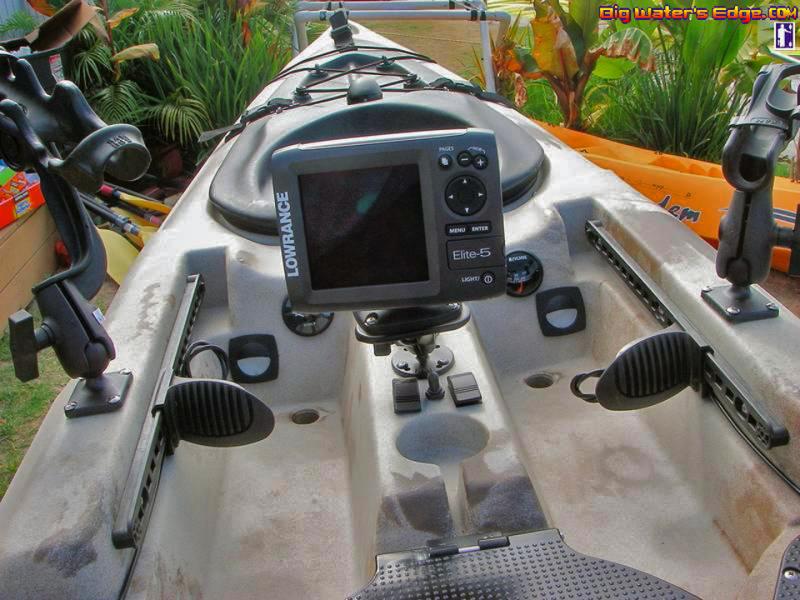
[{"x": 693, "y": 191}]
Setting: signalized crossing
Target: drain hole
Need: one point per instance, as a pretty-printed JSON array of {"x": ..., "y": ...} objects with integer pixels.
[
  {"x": 540, "y": 380},
  {"x": 305, "y": 416}
]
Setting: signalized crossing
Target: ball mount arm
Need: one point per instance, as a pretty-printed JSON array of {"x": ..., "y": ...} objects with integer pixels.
[
  {"x": 748, "y": 232},
  {"x": 36, "y": 129}
]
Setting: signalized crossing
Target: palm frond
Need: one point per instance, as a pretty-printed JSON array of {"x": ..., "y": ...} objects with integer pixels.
[
  {"x": 121, "y": 102},
  {"x": 180, "y": 118}
]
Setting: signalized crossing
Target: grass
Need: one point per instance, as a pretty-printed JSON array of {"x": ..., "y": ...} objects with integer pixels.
[{"x": 23, "y": 405}]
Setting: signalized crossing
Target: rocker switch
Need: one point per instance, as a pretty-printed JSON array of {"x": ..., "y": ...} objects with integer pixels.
[{"x": 464, "y": 389}]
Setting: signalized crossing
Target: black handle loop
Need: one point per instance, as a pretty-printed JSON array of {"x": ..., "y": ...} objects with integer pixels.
[{"x": 577, "y": 381}]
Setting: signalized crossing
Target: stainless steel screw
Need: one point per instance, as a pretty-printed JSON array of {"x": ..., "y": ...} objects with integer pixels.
[
  {"x": 70, "y": 405},
  {"x": 403, "y": 366},
  {"x": 114, "y": 399},
  {"x": 371, "y": 319},
  {"x": 706, "y": 288},
  {"x": 732, "y": 310},
  {"x": 124, "y": 371},
  {"x": 791, "y": 574},
  {"x": 772, "y": 306},
  {"x": 441, "y": 363}
]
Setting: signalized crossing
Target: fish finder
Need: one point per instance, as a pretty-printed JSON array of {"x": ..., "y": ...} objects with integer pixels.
[{"x": 387, "y": 221}]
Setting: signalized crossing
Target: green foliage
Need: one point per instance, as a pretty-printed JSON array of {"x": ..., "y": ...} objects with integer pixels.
[
  {"x": 19, "y": 22},
  {"x": 210, "y": 62},
  {"x": 198, "y": 64},
  {"x": 684, "y": 107},
  {"x": 120, "y": 101}
]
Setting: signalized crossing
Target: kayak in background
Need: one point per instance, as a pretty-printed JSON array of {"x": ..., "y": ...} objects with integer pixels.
[{"x": 693, "y": 191}]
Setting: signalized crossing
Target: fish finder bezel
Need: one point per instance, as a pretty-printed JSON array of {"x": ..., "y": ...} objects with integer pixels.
[{"x": 465, "y": 253}]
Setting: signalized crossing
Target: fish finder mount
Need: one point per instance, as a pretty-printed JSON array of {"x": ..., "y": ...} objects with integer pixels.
[
  {"x": 749, "y": 232},
  {"x": 402, "y": 228},
  {"x": 35, "y": 129}
]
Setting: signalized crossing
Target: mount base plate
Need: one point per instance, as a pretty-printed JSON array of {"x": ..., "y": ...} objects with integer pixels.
[{"x": 740, "y": 307}]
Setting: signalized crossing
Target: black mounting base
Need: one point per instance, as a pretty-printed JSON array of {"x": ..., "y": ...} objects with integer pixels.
[
  {"x": 406, "y": 364},
  {"x": 739, "y": 304},
  {"x": 100, "y": 395}
]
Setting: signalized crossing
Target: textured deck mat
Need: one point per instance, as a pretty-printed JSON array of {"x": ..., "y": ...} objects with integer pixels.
[
  {"x": 788, "y": 587},
  {"x": 533, "y": 566}
]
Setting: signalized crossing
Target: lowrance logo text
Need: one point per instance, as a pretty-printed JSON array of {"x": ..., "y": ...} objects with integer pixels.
[{"x": 287, "y": 234}]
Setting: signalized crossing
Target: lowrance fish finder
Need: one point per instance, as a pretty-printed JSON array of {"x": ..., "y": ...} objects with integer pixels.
[{"x": 391, "y": 221}]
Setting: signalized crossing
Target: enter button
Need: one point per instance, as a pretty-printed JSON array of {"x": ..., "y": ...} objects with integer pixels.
[{"x": 485, "y": 227}]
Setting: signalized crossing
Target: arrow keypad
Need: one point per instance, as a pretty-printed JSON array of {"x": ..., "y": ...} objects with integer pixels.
[{"x": 465, "y": 195}]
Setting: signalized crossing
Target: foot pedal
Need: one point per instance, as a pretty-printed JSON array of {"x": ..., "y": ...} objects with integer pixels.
[
  {"x": 405, "y": 393},
  {"x": 530, "y": 566},
  {"x": 464, "y": 389},
  {"x": 217, "y": 413}
]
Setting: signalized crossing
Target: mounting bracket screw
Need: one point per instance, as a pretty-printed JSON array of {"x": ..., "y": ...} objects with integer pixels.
[
  {"x": 706, "y": 289},
  {"x": 70, "y": 406},
  {"x": 114, "y": 399},
  {"x": 772, "y": 306},
  {"x": 371, "y": 319},
  {"x": 732, "y": 310}
]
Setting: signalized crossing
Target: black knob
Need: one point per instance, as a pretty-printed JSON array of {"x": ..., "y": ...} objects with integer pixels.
[{"x": 23, "y": 345}]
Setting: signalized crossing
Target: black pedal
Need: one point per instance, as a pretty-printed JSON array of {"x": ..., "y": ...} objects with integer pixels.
[
  {"x": 464, "y": 389},
  {"x": 405, "y": 393}
]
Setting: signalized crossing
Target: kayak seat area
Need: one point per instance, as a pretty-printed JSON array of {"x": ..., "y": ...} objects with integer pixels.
[{"x": 529, "y": 566}]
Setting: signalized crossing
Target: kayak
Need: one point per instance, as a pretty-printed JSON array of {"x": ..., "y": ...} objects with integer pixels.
[
  {"x": 693, "y": 191},
  {"x": 263, "y": 443}
]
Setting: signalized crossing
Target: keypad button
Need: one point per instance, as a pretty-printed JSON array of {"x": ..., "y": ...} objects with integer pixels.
[{"x": 465, "y": 195}]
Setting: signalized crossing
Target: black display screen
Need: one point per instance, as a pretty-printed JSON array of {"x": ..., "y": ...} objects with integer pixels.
[{"x": 364, "y": 227}]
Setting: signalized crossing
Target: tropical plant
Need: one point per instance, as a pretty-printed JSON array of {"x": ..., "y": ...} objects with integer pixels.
[
  {"x": 685, "y": 107},
  {"x": 568, "y": 48},
  {"x": 20, "y": 22}
]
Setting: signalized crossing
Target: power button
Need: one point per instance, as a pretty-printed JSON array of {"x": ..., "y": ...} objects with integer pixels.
[{"x": 488, "y": 278}]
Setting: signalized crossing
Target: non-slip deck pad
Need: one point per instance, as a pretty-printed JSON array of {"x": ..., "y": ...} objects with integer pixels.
[
  {"x": 533, "y": 566},
  {"x": 788, "y": 586}
]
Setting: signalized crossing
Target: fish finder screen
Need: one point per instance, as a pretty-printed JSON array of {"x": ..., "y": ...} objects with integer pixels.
[{"x": 364, "y": 227}]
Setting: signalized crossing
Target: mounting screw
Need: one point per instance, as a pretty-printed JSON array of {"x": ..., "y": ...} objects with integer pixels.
[
  {"x": 706, "y": 289},
  {"x": 732, "y": 310},
  {"x": 403, "y": 366},
  {"x": 124, "y": 371},
  {"x": 114, "y": 399},
  {"x": 791, "y": 574},
  {"x": 70, "y": 406},
  {"x": 772, "y": 306},
  {"x": 441, "y": 363},
  {"x": 371, "y": 319}
]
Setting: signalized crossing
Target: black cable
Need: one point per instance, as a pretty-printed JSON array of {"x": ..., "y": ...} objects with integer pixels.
[
  {"x": 197, "y": 347},
  {"x": 404, "y": 55}
]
